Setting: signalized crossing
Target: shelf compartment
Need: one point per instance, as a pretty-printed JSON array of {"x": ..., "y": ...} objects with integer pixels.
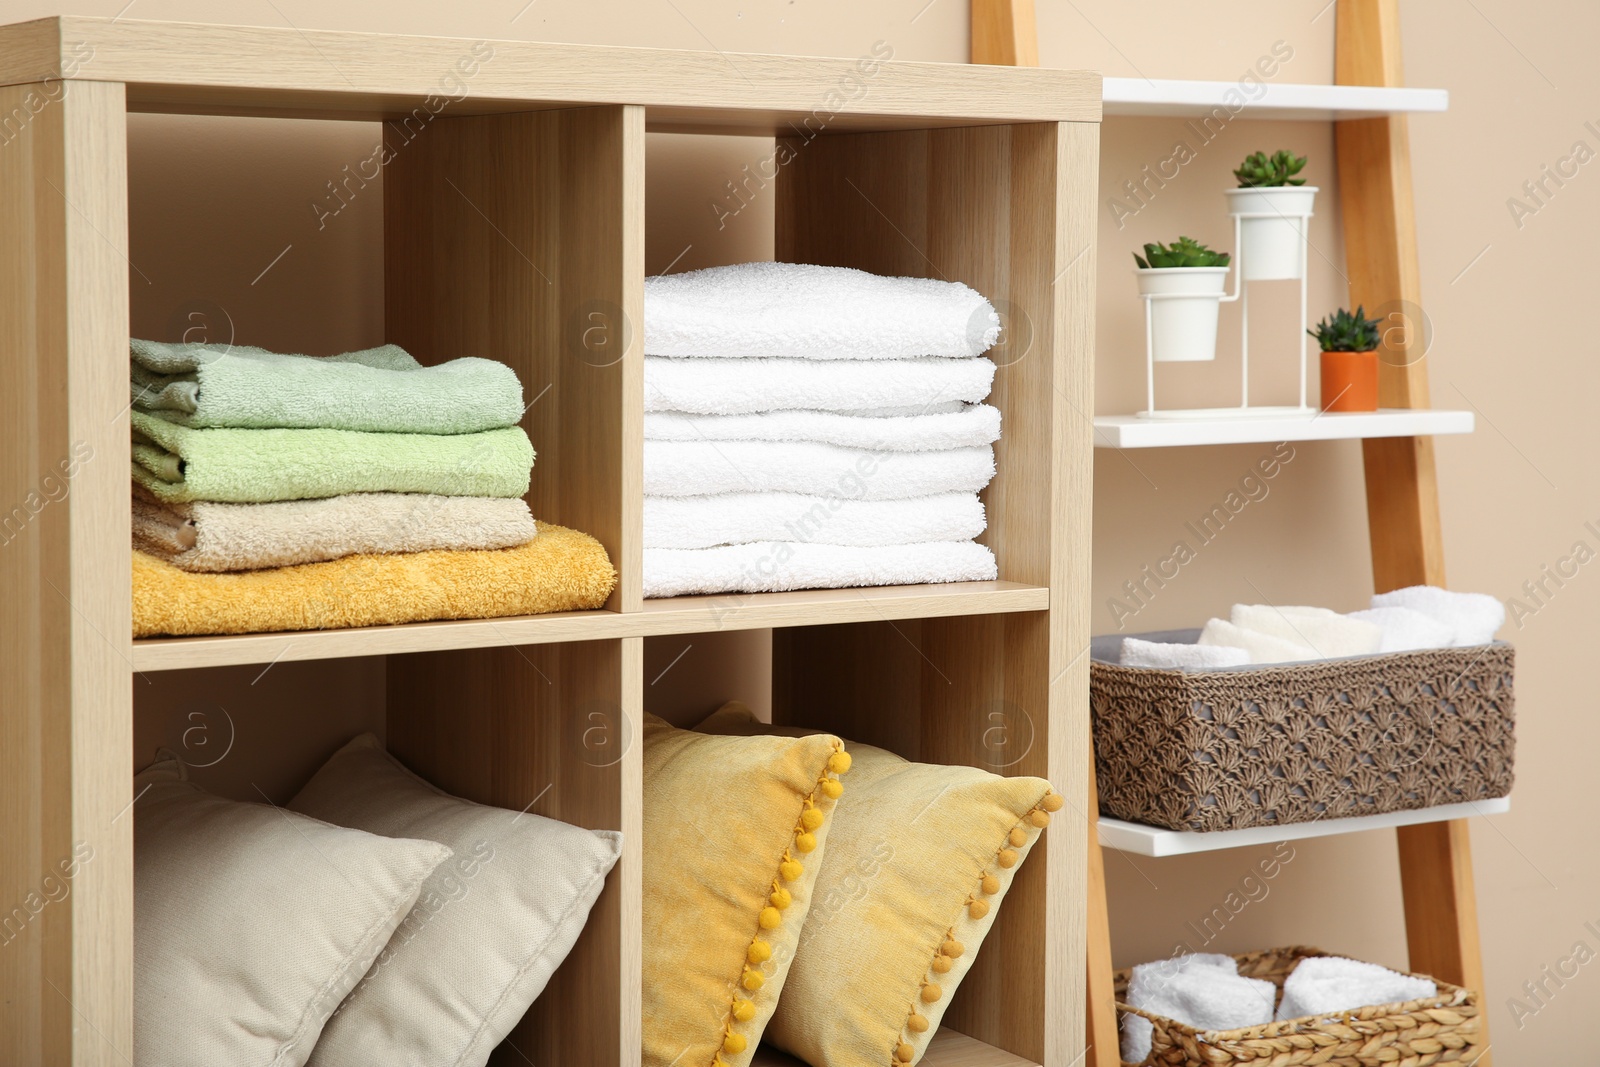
[
  {"x": 1175, "y": 98},
  {"x": 984, "y": 692},
  {"x": 551, "y": 730},
  {"x": 678, "y": 615},
  {"x": 1131, "y": 431},
  {"x": 1154, "y": 841},
  {"x": 947, "y": 1049}
]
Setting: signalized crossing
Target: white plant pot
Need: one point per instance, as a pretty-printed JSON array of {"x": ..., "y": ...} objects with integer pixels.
[
  {"x": 1183, "y": 316},
  {"x": 1272, "y": 247}
]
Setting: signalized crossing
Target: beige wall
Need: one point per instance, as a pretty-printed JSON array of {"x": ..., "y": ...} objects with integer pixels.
[{"x": 215, "y": 201}]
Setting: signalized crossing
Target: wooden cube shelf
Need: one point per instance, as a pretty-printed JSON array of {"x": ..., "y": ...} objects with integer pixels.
[{"x": 514, "y": 227}]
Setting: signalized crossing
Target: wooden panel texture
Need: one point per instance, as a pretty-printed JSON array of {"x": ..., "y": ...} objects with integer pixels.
[
  {"x": 171, "y": 66},
  {"x": 1004, "y": 33},
  {"x": 1402, "y": 488},
  {"x": 548, "y": 729},
  {"x": 521, "y": 238},
  {"x": 66, "y": 702}
]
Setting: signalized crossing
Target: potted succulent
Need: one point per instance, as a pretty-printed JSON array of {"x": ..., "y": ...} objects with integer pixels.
[
  {"x": 1349, "y": 361},
  {"x": 1185, "y": 283},
  {"x": 1275, "y": 204}
]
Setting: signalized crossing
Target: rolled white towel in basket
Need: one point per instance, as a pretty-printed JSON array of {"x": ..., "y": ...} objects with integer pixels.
[
  {"x": 775, "y": 566},
  {"x": 700, "y": 468},
  {"x": 970, "y": 426},
  {"x": 1472, "y": 617},
  {"x": 1325, "y": 632},
  {"x": 742, "y": 386},
  {"x": 1204, "y": 991},
  {"x": 804, "y": 311},
  {"x": 1162, "y": 655},
  {"x": 740, "y": 518},
  {"x": 1328, "y": 985},
  {"x": 1261, "y": 648},
  {"x": 1405, "y": 630}
]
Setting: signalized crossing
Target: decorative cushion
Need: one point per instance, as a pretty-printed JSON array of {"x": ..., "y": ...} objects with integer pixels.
[
  {"x": 735, "y": 829},
  {"x": 490, "y": 927},
  {"x": 251, "y": 923},
  {"x": 920, "y": 857}
]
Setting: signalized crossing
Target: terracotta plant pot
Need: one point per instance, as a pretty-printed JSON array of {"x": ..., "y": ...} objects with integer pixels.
[{"x": 1350, "y": 381}]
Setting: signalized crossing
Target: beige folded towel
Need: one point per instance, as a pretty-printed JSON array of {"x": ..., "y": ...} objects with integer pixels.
[
  {"x": 210, "y": 537},
  {"x": 1262, "y": 648}
]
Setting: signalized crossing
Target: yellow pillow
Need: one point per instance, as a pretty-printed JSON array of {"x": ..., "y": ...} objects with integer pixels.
[
  {"x": 734, "y": 833},
  {"x": 920, "y": 857}
]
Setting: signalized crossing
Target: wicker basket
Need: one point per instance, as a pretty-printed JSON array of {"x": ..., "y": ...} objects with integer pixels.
[
  {"x": 1417, "y": 1033},
  {"x": 1270, "y": 745}
]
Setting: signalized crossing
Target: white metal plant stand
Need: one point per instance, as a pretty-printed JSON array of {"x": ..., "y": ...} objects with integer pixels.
[{"x": 1241, "y": 294}]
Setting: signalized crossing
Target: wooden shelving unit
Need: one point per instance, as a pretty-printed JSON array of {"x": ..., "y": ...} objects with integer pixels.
[
  {"x": 980, "y": 175},
  {"x": 1369, "y": 108}
]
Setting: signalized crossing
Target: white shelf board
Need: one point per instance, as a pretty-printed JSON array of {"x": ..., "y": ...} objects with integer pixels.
[
  {"x": 1154, "y": 841},
  {"x": 1313, "y": 103},
  {"x": 1130, "y": 431}
]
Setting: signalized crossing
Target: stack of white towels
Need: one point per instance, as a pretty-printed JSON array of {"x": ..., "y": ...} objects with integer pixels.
[
  {"x": 1205, "y": 991},
  {"x": 1418, "y": 617},
  {"x": 814, "y": 427}
]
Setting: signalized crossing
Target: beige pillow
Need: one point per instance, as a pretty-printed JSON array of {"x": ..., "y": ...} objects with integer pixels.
[
  {"x": 920, "y": 858},
  {"x": 251, "y": 923},
  {"x": 491, "y": 926},
  {"x": 735, "y": 831}
]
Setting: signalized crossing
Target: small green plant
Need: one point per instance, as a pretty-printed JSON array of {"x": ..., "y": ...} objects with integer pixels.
[
  {"x": 1261, "y": 171},
  {"x": 1344, "y": 332},
  {"x": 1184, "y": 252}
]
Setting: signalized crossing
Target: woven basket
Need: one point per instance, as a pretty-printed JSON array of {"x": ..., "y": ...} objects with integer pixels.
[
  {"x": 1417, "y": 1033},
  {"x": 1263, "y": 746}
]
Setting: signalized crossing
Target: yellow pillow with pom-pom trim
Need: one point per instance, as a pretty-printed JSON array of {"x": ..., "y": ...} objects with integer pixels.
[
  {"x": 734, "y": 833},
  {"x": 920, "y": 857}
]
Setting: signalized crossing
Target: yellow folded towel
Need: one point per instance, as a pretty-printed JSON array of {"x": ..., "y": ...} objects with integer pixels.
[{"x": 560, "y": 570}]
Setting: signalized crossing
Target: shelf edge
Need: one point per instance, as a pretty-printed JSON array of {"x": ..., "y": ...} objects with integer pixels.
[{"x": 1153, "y": 841}]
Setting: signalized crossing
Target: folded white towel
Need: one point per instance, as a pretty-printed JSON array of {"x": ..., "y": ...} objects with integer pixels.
[
  {"x": 1261, "y": 648},
  {"x": 970, "y": 426},
  {"x": 1405, "y": 630},
  {"x": 1137, "y": 653},
  {"x": 741, "y": 386},
  {"x": 1325, "y": 632},
  {"x": 804, "y": 311},
  {"x": 700, "y": 468},
  {"x": 1203, "y": 991},
  {"x": 779, "y": 565},
  {"x": 1473, "y": 618},
  {"x": 1327, "y": 985},
  {"x": 739, "y": 518}
]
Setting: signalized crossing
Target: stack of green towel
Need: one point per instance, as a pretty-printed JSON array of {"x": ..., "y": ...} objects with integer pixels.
[{"x": 245, "y": 459}]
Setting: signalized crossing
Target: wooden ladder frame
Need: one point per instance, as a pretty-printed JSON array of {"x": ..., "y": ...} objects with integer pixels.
[{"x": 1380, "y": 234}]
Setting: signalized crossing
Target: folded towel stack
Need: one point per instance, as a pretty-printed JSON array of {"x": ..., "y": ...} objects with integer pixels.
[
  {"x": 813, "y": 427},
  {"x": 1418, "y": 617},
  {"x": 245, "y": 460},
  {"x": 1205, "y": 991}
]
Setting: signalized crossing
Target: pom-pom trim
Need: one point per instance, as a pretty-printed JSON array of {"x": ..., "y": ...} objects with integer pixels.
[
  {"x": 759, "y": 951},
  {"x": 975, "y": 908}
]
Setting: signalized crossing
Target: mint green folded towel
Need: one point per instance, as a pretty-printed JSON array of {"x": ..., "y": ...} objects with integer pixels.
[
  {"x": 381, "y": 390},
  {"x": 179, "y": 464}
]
